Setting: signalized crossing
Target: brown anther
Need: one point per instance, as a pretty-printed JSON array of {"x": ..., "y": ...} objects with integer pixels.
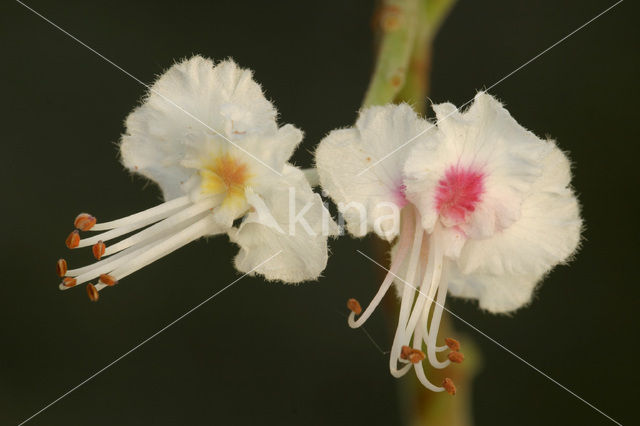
[
  {"x": 405, "y": 352},
  {"x": 108, "y": 280},
  {"x": 84, "y": 221},
  {"x": 453, "y": 344},
  {"x": 69, "y": 281},
  {"x": 92, "y": 292},
  {"x": 416, "y": 356},
  {"x": 448, "y": 385},
  {"x": 61, "y": 267},
  {"x": 354, "y": 306},
  {"x": 98, "y": 249},
  {"x": 456, "y": 357},
  {"x": 73, "y": 240}
]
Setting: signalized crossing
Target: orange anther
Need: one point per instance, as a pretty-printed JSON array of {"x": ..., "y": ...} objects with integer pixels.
[
  {"x": 405, "y": 352},
  {"x": 84, "y": 221},
  {"x": 456, "y": 357},
  {"x": 69, "y": 281},
  {"x": 98, "y": 249},
  {"x": 73, "y": 239},
  {"x": 92, "y": 292},
  {"x": 416, "y": 356},
  {"x": 453, "y": 344},
  {"x": 354, "y": 306},
  {"x": 448, "y": 385},
  {"x": 61, "y": 267},
  {"x": 108, "y": 280}
]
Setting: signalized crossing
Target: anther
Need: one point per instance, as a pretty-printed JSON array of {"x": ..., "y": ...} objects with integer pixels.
[
  {"x": 84, "y": 221},
  {"x": 456, "y": 357},
  {"x": 416, "y": 356},
  {"x": 98, "y": 249},
  {"x": 354, "y": 306},
  {"x": 453, "y": 344},
  {"x": 405, "y": 352},
  {"x": 73, "y": 239},
  {"x": 61, "y": 267},
  {"x": 92, "y": 292},
  {"x": 108, "y": 280},
  {"x": 69, "y": 281},
  {"x": 448, "y": 385}
]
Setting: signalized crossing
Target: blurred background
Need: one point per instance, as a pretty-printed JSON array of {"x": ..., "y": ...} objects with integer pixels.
[{"x": 267, "y": 353}]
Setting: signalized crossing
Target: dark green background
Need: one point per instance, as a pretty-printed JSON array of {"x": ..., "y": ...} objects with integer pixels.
[{"x": 265, "y": 353}]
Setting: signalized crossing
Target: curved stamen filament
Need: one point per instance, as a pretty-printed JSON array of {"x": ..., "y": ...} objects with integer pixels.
[
  {"x": 435, "y": 325},
  {"x": 417, "y": 344},
  {"x": 402, "y": 249},
  {"x": 407, "y": 298}
]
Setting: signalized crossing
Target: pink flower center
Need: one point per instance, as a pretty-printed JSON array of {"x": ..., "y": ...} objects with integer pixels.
[
  {"x": 458, "y": 193},
  {"x": 399, "y": 195}
]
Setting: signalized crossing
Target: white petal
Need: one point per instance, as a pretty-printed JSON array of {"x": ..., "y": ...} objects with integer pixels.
[
  {"x": 225, "y": 98},
  {"x": 343, "y": 156},
  {"x": 270, "y": 229},
  {"x": 547, "y": 233},
  {"x": 495, "y": 293}
]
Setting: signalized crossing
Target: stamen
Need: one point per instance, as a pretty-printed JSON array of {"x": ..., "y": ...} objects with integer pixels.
[
  {"x": 448, "y": 385},
  {"x": 125, "y": 229},
  {"x": 405, "y": 352},
  {"x": 92, "y": 292},
  {"x": 108, "y": 280},
  {"x": 354, "y": 306},
  {"x": 453, "y": 344},
  {"x": 84, "y": 221},
  {"x": 69, "y": 282},
  {"x": 456, "y": 357},
  {"x": 158, "y": 212},
  {"x": 61, "y": 267},
  {"x": 73, "y": 240},
  {"x": 98, "y": 249},
  {"x": 416, "y": 356}
]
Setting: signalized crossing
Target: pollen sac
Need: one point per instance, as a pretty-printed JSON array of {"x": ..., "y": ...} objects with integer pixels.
[
  {"x": 98, "y": 249},
  {"x": 354, "y": 306},
  {"x": 69, "y": 281},
  {"x": 456, "y": 357},
  {"x": 92, "y": 292},
  {"x": 61, "y": 267},
  {"x": 416, "y": 356},
  {"x": 108, "y": 280},
  {"x": 405, "y": 352},
  {"x": 453, "y": 344},
  {"x": 448, "y": 385},
  {"x": 73, "y": 240},
  {"x": 84, "y": 221}
]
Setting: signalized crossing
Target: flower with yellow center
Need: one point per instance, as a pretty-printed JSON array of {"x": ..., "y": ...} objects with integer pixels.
[{"x": 209, "y": 138}]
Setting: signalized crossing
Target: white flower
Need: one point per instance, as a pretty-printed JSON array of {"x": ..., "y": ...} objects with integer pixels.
[
  {"x": 486, "y": 212},
  {"x": 209, "y": 138}
]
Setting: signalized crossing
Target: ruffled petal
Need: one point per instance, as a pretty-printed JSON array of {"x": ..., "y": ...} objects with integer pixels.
[
  {"x": 347, "y": 161},
  {"x": 483, "y": 141},
  {"x": 547, "y": 233},
  {"x": 271, "y": 228},
  {"x": 495, "y": 293},
  {"x": 224, "y": 97}
]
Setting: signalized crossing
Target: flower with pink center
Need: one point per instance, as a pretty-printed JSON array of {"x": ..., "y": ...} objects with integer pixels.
[{"x": 486, "y": 211}]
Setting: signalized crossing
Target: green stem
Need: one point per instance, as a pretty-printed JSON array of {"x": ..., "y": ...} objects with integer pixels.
[{"x": 396, "y": 22}]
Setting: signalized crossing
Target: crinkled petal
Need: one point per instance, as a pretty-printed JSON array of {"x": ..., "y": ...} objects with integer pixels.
[
  {"x": 271, "y": 228},
  {"x": 484, "y": 139},
  {"x": 547, "y": 233},
  {"x": 495, "y": 293},
  {"x": 347, "y": 163},
  {"x": 193, "y": 97}
]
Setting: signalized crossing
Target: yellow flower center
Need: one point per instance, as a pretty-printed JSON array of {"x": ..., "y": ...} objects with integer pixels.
[{"x": 225, "y": 175}]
